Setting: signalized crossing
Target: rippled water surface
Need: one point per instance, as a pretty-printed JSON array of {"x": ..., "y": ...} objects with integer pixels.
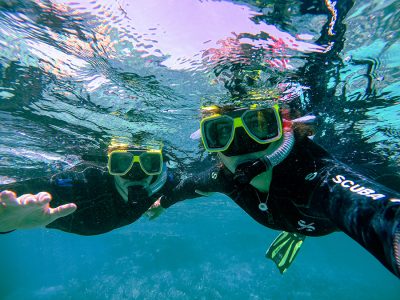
[{"x": 73, "y": 74}]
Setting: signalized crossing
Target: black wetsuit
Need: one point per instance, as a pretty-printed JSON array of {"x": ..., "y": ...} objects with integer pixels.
[
  {"x": 100, "y": 207},
  {"x": 313, "y": 194}
]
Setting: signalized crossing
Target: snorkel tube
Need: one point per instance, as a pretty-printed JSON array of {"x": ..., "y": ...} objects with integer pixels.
[
  {"x": 275, "y": 158},
  {"x": 123, "y": 185},
  {"x": 246, "y": 172}
]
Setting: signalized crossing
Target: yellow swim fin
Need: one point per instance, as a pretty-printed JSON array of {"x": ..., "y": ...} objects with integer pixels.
[{"x": 284, "y": 249}]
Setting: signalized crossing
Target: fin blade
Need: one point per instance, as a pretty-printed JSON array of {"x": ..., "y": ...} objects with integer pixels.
[{"x": 284, "y": 249}]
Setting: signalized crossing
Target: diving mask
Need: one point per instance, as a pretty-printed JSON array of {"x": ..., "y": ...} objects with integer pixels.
[
  {"x": 262, "y": 124},
  {"x": 121, "y": 161}
]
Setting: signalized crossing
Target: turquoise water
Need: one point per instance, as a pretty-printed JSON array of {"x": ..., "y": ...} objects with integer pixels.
[
  {"x": 75, "y": 73},
  {"x": 210, "y": 250}
]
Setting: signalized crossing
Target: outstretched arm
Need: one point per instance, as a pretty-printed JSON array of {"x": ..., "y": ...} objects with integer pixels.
[
  {"x": 29, "y": 211},
  {"x": 324, "y": 188},
  {"x": 212, "y": 180},
  {"x": 365, "y": 210},
  {"x": 84, "y": 185},
  {"x": 215, "y": 179}
]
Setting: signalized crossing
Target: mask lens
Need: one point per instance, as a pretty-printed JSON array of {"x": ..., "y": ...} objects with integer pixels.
[
  {"x": 217, "y": 132},
  {"x": 120, "y": 162},
  {"x": 151, "y": 163},
  {"x": 262, "y": 123}
]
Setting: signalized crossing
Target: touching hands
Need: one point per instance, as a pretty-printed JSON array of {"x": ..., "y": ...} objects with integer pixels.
[
  {"x": 29, "y": 211},
  {"x": 155, "y": 210}
]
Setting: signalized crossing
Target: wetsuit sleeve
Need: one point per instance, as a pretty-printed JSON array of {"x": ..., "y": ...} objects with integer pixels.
[
  {"x": 215, "y": 179},
  {"x": 365, "y": 210}
]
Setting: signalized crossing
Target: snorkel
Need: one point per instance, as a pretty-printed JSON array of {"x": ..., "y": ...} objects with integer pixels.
[
  {"x": 256, "y": 168},
  {"x": 152, "y": 184},
  {"x": 247, "y": 164},
  {"x": 276, "y": 157},
  {"x": 285, "y": 148},
  {"x": 246, "y": 172}
]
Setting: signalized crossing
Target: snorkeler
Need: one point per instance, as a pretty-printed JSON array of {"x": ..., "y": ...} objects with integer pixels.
[
  {"x": 285, "y": 181},
  {"x": 103, "y": 202}
]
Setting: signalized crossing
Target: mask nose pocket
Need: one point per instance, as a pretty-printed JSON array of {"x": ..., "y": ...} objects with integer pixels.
[
  {"x": 243, "y": 144},
  {"x": 136, "y": 173}
]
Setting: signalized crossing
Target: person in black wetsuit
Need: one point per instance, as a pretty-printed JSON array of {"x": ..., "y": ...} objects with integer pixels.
[
  {"x": 285, "y": 181},
  {"x": 104, "y": 202}
]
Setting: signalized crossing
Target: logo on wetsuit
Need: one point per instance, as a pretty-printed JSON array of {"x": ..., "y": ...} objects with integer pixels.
[
  {"x": 356, "y": 188},
  {"x": 311, "y": 176},
  {"x": 305, "y": 226}
]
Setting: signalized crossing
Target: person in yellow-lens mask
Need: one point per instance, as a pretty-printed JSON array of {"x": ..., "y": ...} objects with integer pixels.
[
  {"x": 95, "y": 196},
  {"x": 285, "y": 181}
]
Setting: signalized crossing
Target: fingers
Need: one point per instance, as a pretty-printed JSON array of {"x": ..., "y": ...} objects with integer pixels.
[
  {"x": 61, "y": 211},
  {"x": 39, "y": 199},
  {"x": 8, "y": 198},
  {"x": 156, "y": 204},
  {"x": 43, "y": 198},
  {"x": 27, "y": 199}
]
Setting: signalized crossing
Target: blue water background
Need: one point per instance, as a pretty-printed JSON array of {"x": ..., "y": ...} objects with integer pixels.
[
  {"x": 73, "y": 76},
  {"x": 214, "y": 251}
]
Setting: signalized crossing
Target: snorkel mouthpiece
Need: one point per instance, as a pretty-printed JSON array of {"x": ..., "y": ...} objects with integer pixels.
[{"x": 245, "y": 172}]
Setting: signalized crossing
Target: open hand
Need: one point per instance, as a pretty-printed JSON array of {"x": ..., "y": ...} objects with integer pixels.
[{"x": 29, "y": 211}]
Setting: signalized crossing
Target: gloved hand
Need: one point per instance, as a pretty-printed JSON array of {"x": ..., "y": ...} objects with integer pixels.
[
  {"x": 245, "y": 172},
  {"x": 29, "y": 211}
]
